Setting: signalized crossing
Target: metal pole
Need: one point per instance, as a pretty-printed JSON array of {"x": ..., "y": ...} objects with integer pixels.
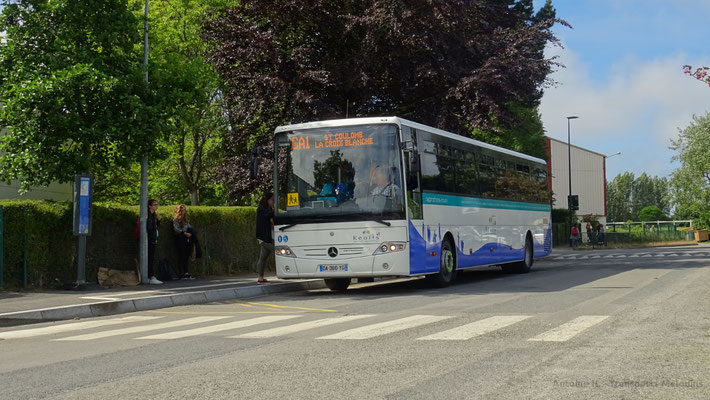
[
  {"x": 144, "y": 170},
  {"x": 569, "y": 164},
  {"x": 81, "y": 261}
]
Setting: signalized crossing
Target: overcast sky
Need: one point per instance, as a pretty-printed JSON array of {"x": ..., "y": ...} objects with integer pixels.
[{"x": 624, "y": 78}]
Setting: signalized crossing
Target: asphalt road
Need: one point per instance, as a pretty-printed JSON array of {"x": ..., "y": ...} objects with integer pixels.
[{"x": 592, "y": 325}]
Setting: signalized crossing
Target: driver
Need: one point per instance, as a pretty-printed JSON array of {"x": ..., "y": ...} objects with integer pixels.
[{"x": 383, "y": 186}]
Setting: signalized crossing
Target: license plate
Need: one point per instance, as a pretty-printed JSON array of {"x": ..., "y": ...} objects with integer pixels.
[{"x": 333, "y": 268}]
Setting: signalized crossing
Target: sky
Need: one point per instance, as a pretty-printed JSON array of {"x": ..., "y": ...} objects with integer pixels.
[{"x": 623, "y": 77}]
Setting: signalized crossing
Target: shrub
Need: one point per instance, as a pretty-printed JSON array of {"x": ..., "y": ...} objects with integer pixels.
[
  {"x": 652, "y": 213},
  {"x": 226, "y": 235}
]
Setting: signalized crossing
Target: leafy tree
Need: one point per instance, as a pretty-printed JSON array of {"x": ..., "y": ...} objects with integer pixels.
[
  {"x": 71, "y": 88},
  {"x": 691, "y": 181},
  {"x": 652, "y": 213},
  {"x": 627, "y": 195},
  {"x": 458, "y": 65}
]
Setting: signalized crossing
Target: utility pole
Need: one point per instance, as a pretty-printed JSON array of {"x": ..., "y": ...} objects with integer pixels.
[
  {"x": 569, "y": 163},
  {"x": 143, "y": 258}
]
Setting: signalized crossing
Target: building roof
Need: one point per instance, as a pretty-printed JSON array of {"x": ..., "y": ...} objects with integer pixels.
[{"x": 577, "y": 147}]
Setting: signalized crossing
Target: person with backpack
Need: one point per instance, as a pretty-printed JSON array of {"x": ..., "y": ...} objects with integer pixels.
[
  {"x": 264, "y": 233},
  {"x": 185, "y": 239},
  {"x": 152, "y": 224}
]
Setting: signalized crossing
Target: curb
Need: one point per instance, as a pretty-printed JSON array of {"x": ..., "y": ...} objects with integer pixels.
[{"x": 100, "y": 309}]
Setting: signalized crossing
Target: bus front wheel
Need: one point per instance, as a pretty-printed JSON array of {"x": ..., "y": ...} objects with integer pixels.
[
  {"x": 447, "y": 266},
  {"x": 338, "y": 284}
]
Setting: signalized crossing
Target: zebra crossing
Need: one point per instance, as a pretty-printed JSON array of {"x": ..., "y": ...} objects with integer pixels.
[
  {"x": 368, "y": 326},
  {"x": 686, "y": 254}
]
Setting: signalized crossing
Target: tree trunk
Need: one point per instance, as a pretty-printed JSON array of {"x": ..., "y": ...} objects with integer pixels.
[{"x": 195, "y": 197}]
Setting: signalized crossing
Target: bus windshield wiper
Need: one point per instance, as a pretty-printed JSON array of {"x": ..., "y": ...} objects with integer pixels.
[
  {"x": 283, "y": 228},
  {"x": 379, "y": 221}
]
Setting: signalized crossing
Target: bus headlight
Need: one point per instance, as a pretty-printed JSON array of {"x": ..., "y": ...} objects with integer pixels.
[
  {"x": 390, "y": 247},
  {"x": 284, "y": 251}
]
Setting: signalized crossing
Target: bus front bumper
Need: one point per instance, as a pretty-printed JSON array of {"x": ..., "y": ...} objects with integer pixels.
[{"x": 391, "y": 264}]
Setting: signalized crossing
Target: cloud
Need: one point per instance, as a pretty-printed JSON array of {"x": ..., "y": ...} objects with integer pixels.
[{"x": 636, "y": 109}]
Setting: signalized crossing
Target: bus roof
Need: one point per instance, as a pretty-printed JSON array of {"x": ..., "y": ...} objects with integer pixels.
[{"x": 401, "y": 121}]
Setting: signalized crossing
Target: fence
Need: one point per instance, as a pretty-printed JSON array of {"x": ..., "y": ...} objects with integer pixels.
[{"x": 624, "y": 234}]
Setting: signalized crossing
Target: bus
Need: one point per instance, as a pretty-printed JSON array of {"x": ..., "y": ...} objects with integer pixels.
[{"x": 388, "y": 197}]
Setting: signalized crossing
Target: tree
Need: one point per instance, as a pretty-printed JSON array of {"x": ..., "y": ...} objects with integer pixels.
[
  {"x": 691, "y": 181},
  {"x": 627, "y": 195},
  {"x": 700, "y": 74},
  {"x": 458, "y": 65},
  {"x": 71, "y": 86},
  {"x": 652, "y": 213}
]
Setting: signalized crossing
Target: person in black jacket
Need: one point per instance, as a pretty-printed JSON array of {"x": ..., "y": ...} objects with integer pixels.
[
  {"x": 264, "y": 229},
  {"x": 152, "y": 225}
]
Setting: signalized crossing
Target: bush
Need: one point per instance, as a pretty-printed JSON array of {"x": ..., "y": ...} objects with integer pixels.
[
  {"x": 561, "y": 215},
  {"x": 226, "y": 235},
  {"x": 652, "y": 213}
]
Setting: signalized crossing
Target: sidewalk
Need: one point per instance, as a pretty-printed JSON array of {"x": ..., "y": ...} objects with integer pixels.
[{"x": 46, "y": 305}]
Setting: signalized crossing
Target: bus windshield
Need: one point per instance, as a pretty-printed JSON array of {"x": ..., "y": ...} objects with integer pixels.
[{"x": 339, "y": 174}]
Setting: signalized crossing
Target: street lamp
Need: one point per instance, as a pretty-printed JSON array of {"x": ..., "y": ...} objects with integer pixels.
[
  {"x": 618, "y": 153},
  {"x": 569, "y": 163}
]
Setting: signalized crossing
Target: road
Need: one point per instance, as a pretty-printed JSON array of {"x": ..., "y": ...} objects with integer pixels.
[{"x": 613, "y": 324}]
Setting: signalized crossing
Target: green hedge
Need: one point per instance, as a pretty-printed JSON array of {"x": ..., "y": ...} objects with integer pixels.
[{"x": 226, "y": 235}]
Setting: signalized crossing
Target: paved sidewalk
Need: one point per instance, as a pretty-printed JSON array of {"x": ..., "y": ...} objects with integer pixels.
[{"x": 50, "y": 305}]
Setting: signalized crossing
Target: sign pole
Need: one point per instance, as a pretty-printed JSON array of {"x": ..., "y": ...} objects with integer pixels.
[{"x": 83, "y": 191}]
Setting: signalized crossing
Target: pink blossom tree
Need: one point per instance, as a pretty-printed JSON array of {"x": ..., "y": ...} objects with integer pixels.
[{"x": 700, "y": 73}]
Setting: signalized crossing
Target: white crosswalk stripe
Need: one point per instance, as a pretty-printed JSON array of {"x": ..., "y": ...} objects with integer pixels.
[
  {"x": 303, "y": 326},
  {"x": 477, "y": 328},
  {"x": 570, "y": 329},
  {"x": 660, "y": 255},
  {"x": 143, "y": 328},
  {"x": 218, "y": 328},
  {"x": 644, "y": 255},
  {"x": 384, "y": 328},
  {"x": 70, "y": 327}
]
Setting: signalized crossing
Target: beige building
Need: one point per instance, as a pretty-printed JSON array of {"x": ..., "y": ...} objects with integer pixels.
[{"x": 588, "y": 177}]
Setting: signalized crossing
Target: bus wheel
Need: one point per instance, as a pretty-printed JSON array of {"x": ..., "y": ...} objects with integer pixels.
[
  {"x": 447, "y": 266},
  {"x": 338, "y": 284},
  {"x": 524, "y": 266}
]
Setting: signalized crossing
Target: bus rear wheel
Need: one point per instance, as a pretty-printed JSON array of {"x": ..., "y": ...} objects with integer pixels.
[
  {"x": 524, "y": 266},
  {"x": 447, "y": 266},
  {"x": 338, "y": 284}
]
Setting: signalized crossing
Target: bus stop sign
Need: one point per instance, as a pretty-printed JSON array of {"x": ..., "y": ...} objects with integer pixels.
[{"x": 83, "y": 188}]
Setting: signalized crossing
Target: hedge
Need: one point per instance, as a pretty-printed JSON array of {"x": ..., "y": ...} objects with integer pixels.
[{"x": 226, "y": 235}]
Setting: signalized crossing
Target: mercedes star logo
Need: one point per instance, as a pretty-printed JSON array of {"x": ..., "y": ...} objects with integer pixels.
[{"x": 333, "y": 252}]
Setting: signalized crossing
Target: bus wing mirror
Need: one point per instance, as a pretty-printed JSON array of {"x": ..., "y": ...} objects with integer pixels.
[{"x": 414, "y": 161}]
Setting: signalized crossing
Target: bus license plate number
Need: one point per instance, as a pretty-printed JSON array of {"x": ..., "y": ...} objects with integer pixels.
[{"x": 334, "y": 268}]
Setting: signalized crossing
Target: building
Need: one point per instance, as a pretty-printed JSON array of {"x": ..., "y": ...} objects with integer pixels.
[
  {"x": 55, "y": 191},
  {"x": 588, "y": 177}
]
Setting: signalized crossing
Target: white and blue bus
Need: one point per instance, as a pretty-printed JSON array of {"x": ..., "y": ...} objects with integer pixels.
[{"x": 374, "y": 197}]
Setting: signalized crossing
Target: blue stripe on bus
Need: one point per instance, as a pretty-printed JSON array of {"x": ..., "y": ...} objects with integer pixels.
[{"x": 462, "y": 201}]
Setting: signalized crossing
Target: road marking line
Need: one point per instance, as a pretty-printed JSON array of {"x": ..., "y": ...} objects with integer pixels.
[
  {"x": 673, "y": 255},
  {"x": 660, "y": 255},
  {"x": 646, "y": 255},
  {"x": 223, "y": 312},
  {"x": 560, "y": 258},
  {"x": 291, "y": 307},
  {"x": 384, "y": 328},
  {"x": 218, "y": 328},
  {"x": 595, "y": 257},
  {"x": 285, "y": 330},
  {"x": 138, "y": 329},
  {"x": 621, "y": 256},
  {"x": 634, "y": 256},
  {"x": 49, "y": 330},
  {"x": 583, "y": 257},
  {"x": 570, "y": 329},
  {"x": 477, "y": 328}
]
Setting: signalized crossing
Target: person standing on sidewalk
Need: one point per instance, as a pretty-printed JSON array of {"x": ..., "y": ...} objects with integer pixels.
[
  {"x": 185, "y": 238},
  {"x": 152, "y": 224},
  {"x": 264, "y": 233}
]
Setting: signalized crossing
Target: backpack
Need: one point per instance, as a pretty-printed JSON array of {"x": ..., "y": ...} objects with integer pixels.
[
  {"x": 137, "y": 230},
  {"x": 166, "y": 271}
]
